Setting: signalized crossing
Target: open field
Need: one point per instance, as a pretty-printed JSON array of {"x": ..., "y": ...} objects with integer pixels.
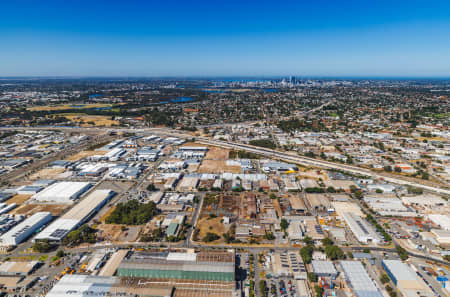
[
  {"x": 85, "y": 120},
  {"x": 47, "y": 173},
  {"x": 68, "y": 106},
  {"x": 84, "y": 154},
  {"x": 217, "y": 153},
  {"x": 217, "y": 166},
  {"x": 215, "y": 161},
  {"x": 213, "y": 225},
  {"x": 18, "y": 199},
  {"x": 113, "y": 232},
  {"x": 30, "y": 209},
  {"x": 191, "y": 144}
]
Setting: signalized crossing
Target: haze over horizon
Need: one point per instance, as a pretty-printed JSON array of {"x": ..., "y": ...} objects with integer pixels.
[{"x": 212, "y": 38}]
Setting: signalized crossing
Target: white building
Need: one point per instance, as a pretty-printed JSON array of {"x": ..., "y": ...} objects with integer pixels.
[
  {"x": 360, "y": 228},
  {"x": 358, "y": 279},
  {"x": 62, "y": 192},
  {"x": 75, "y": 217},
  {"x": 441, "y": 220},
  {"x": 25, "y": 229}
]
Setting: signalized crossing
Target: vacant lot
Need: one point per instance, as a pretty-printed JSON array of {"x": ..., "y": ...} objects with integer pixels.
[
  {"x": 85, "y": 154},
  {"x": 68, "y": 106},
  {"x": 30, "y": 209},
  {"x": 211, "y": 225},
  {"x": 217, "y": 166},
  {"x": 217, "y": 153},
  {"x": 47, "y": 173},
  {"x": 114, "y": 233},
  {"x": 18, "y": 199},
  {"x": 85, "y": 120}
]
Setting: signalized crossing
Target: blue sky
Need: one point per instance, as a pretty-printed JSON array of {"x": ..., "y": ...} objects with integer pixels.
[{"x": 225, "y": 38}]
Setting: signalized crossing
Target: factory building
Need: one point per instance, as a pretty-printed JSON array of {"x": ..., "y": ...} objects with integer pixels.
[
  {"x": 406, "y": 279},
  {"x": 62, "y": 192},
  {"x": 25, "y": 229},
  {"x": 324, "y": 268},
  {"x": 358, "y": 279},
  {"x": 210, "y": 266},
  {"x": 75, "y": 217},
  {"x": 361, "y": 229}
]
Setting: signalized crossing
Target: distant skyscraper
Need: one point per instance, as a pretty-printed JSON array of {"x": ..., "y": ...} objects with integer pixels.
[{"x": 292, "y": 80}]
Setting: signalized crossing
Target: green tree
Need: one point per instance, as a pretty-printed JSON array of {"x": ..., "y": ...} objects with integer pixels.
[
  {"x": 334, "y": 252},
  {"x": 384, "y": 279},
  {"x": 43, "y": 246},
  {"x": 284, "y": 224},
  {"x": 210, "y": 237},
  {"x": 306, "y": 253},
  {"x": 312, "y": 277}
]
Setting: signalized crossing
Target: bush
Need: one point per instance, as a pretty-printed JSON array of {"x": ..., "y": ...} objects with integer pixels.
[
  {"x": 151, "y": 188},
  {"x": 384, "y": 279},
  {"x": 43, "y": 246},
  {"x": 306, "y": 253},
  {"x": 312, "y": 277},
  {"x": 210, "y": 237},
  {"x": 82, "y": 235},
  {"x": 132, "y": 213},
  {"x": 267, "y": 143}
]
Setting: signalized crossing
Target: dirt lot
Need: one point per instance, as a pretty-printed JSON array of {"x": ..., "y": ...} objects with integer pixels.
[
  {"x": 211, "y": 225},
  {"x": 191, "y": 144},
  {"x": 68, "y": 106},
  {"x": 47, "y": 173},
  {"x": 85, "y": 154},
  {"x": 85, "y": 120},
  {"x": 30, "y": 209},
  {"x": 217, "y": 153},
  {"x": 112, "y": 232},
  {"x": 18, "y": 199},
  {"x": 116, "y": 186},
  {"x": 217, "y": 166}
]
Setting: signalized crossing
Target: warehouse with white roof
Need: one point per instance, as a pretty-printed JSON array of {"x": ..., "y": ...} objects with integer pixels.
[
  {"x": 358, "y": 279},
  {"x": 25, "y": 229},
  {"x": 406, "y": 280},
  {"x": 75, "y": 217},
  {"x": 360, "y": 228},
  {"x": 62, "y": 192}
]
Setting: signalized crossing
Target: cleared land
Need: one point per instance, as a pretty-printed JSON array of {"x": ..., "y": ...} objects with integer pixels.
[
  {"x": 30, "y": 209},
  {"x": 68, "y": 106},
  {"x": 112, "y": 232},
  {"x": 217, "y": 166},
  {"x": 215, "y": 161},
  {"x": 85, "y": 120},
  {"x": 213, "y": 225},
  {"x": 18, "y": 199},
  {"x": 217, "y": 153},
  {"x": 47, "y": 173},
  {"x": 85, "y": 154}
]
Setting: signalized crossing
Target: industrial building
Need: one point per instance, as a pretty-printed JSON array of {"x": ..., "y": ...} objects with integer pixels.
[
  {"x": 406, "y": 280},
  {"x": 358, "y": 279},
  {"x": 78, "y": 215},
  {"x": 18, "y": 268},
  {"x": 188, "y": 184},
  {"x": 361, "y": 229},
  {"x": 324, "y": 268},
  {"x": 295, "y": 231},
  {"x": 211, "y": 266},
  {"x": 442, "y": 220},
  {"x": 62, "y": 192},
  {"x": 388, "y": 206},
  {"x": 25, "y": 229}
]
